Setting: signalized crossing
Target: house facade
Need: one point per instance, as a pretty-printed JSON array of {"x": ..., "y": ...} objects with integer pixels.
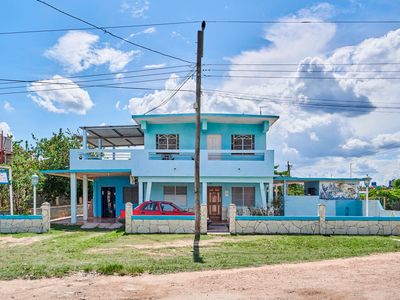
[{"x": 154, "y": 160}]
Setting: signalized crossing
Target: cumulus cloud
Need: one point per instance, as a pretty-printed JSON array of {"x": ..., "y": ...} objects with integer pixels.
[
  {"x": 60, "y": 95},
  {"x": 318, "y": 140},
  {"x": 8, "y": 107},
  {"x": 5, "y": 128},
  {"x": 136, "y": 9},
  {"x": 78, "y": 51}
]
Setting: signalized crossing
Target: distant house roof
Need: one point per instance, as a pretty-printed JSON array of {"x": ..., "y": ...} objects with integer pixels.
[
  {"x": 115, "y": 136},
  {"x": 302, "y": 179},
  {"x": 210, "y": 117}
]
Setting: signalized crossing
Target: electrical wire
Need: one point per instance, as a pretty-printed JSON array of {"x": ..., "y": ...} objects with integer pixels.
[{"x": 112, "y": 34}]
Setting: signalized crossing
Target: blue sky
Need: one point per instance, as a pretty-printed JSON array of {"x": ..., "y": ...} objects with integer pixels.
[{"x": 318, "y": 142}]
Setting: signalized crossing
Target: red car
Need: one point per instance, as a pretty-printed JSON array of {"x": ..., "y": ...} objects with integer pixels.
[{"x": 158, "y": 208}]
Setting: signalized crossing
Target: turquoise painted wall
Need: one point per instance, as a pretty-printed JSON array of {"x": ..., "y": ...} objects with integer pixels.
[
  {"x": 349, "y": 208},
  {"x": 308, "y": 206},
  {"x": 158, "y": 187},
  {"x": 119, "y": 183},
  {"x": 186, "y": 133}
]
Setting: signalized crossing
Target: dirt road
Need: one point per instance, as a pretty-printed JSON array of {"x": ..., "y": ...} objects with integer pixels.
[{"x": 371, "y": 277}]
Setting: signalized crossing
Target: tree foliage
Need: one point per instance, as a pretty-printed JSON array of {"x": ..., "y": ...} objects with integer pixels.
[{"x": 45, "y": 153}]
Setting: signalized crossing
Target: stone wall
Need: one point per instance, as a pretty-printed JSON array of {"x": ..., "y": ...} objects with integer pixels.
[
  {"x": 62, "y": 211},
  {"x": 29, "y": 223},
  {"x": 313, "y": 225},
  {"x": 162, "y": 224}
]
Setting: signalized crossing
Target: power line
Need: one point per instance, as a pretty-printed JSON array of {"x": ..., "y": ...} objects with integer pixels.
[
  {"x": 304, "y": 21},
  {"x": 296, "y": 64},
  {"x": 301, "y": 71},
  {"x": 301, "y": 77},
  {"x": 169, "y": 98},
  {"x": 112, "y": 34},
  {"x": 197, "y": 21},
  {"x": 229, "y": 93},
  {"x": 53, "y": 81},
  {"x": 91, "y": 28}
]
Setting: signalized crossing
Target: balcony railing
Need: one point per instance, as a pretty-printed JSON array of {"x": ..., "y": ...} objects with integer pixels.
[{"x": 155, "y": 162}]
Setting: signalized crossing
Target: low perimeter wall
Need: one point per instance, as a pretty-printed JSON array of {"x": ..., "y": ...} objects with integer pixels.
[
  {"x": 62, "y": 211},
  {"x": 28, "y": 223},
  {"x": 313, "y": 225},
  {"x": 162, "y": 223}
]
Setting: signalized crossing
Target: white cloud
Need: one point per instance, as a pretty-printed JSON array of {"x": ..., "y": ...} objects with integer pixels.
[
  {"x": 78, "y": 51},
  {"x": 5, "y": 128},
  {"x": 319, "y": 141},
  {"x": 137, "y": 9},
  {"x": 154, "y": 66},
  {"x": 8, "y": 107},
  {"x": 149, "y": 30},
  {"x": 60, "y": 95}
]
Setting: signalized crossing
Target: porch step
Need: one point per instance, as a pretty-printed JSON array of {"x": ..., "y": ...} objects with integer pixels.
[{"x": 218, "y": 228}]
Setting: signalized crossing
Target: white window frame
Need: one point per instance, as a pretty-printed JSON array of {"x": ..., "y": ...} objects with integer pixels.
[{"x": 178, "y": 199}]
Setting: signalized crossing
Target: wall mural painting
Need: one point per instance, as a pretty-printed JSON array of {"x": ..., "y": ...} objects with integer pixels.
[{"x": 338, "y": 190}]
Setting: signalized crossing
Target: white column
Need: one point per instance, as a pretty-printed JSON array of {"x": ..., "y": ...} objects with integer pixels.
[
  {"x": 148, "y": 190},
  {"x": 140, "y": 183},
  {"x": 263, "y": 195},
  {"x": 284, "y": 190},
  {"x": 34, "y": 200},
  {"x": 366, "y": 202},
  {"x": 270, "y": 192},
  {"x": 204, "y": 193},
  {"x": 73, "y": 198},
  {"x": 84, "y": 140},
  {"x": 85, "y": 197}
]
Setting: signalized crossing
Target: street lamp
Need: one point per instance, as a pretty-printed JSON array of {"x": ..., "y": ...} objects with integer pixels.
[
  {"x": 35, "y": 181},
  {"x": 367, "y": 181}
]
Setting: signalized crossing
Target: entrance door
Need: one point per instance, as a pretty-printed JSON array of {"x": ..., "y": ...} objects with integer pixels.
[
  {"x": 214, "y": 203},
  {"x": 108, "y": 202},
  {"x": 214, "y": 143}
]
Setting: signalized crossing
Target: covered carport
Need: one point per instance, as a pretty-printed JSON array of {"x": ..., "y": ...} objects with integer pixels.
[{"x": 85, "y": 176}]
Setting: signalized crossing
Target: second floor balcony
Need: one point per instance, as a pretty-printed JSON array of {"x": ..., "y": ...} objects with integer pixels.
[{"x": 155, "y": 162}]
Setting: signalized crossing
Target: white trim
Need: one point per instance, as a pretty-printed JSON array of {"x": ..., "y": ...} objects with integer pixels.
[{"x": 148, "y": 190}]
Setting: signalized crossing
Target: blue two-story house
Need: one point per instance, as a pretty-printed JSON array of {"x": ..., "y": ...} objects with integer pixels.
[{"x": 154, "y": 160}]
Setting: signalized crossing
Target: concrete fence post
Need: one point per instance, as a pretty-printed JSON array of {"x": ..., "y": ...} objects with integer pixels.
[
  {"x": 232, "y": 218},
  {"x": 45, "y": 209},
  {"x": 322, "y": 218},
  {"x": 203, "y": 219},
  {"x": 128, "y": 217}
]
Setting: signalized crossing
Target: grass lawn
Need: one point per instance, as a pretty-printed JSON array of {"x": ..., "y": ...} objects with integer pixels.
[{"x": 66, "y": 249}]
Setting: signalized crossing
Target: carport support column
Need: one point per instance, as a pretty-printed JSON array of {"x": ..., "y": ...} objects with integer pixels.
[
  {"x": 73, "y": 198},
  {"x": 270, "y": 193},
  {"x": 204, "y": 193},
  {"x": 148, "y": 190},
  {"x": 85, "y": 197},
  {"x": 140, "y": 194},
  {"x": 263, "y": 195}
]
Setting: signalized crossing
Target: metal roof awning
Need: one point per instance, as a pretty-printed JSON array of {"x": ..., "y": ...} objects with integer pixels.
[
  {"x": 115, "y": 136},
  {"x": 91, "y": 174}
]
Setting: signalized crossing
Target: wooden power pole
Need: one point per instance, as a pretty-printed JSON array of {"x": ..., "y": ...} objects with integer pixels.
[{"x": 200, "y": 36}]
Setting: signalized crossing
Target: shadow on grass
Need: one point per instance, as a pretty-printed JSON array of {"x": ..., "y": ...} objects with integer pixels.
[
  {"x": 75, "y": 228},
  {"x": 196, "y": 250}
]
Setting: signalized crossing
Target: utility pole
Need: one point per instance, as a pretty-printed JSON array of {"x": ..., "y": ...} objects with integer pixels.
[
  {"x": 351, "y": 171},
  {"x": 289, "y": 166},
  {"x": 200, "y": 39}
]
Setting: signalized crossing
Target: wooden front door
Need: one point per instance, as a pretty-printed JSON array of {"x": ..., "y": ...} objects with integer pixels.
[{"x": 214, "y": 203}]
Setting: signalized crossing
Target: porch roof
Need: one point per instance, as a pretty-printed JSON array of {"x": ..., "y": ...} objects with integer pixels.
[
  {"x": 90, "y": 173},
  {"x": 115, "y": 136}
]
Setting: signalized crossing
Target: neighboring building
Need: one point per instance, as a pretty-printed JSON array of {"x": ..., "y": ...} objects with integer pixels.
[
  {"x": 6, "y": 148},
  {"x": 341, "y": 196},
  {"x": 159, "y": 163}
]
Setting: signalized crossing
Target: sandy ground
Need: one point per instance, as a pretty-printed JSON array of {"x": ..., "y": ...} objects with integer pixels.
[{"x": 371, "y": 277}]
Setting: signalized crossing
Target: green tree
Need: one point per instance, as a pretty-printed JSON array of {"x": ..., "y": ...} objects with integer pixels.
[
  {"x": 53, "y": 154},
  {"x": 24, "y": 164}
]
